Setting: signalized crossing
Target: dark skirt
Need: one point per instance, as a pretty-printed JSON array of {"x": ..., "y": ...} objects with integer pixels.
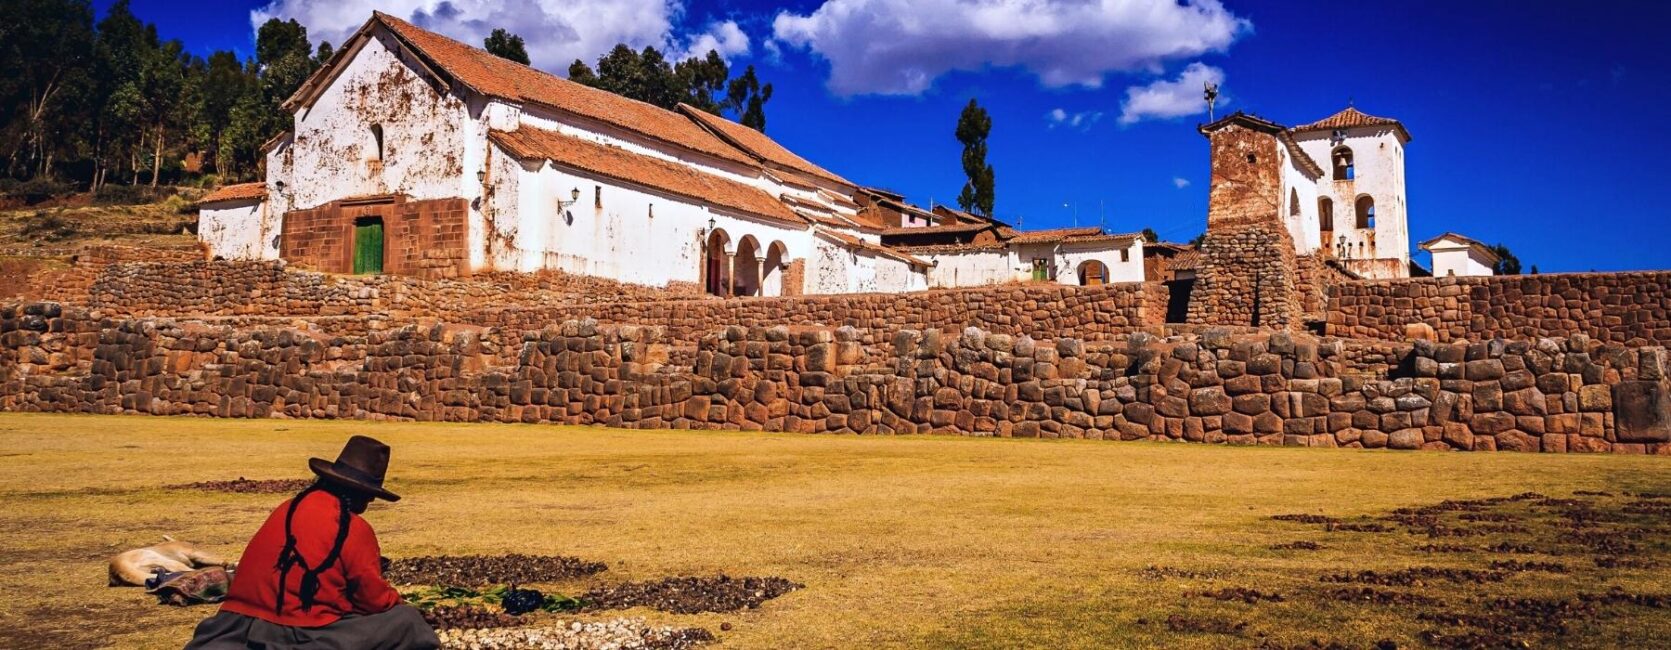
[{"x": 400, "y": 628}]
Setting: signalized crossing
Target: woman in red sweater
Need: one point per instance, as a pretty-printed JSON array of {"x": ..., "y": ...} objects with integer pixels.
[{"x": 312, "y": 575}]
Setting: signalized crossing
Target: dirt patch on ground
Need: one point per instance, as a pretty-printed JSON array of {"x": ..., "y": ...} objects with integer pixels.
[
  {"x": 1474, "y": 595},
  {"x": 243, "y": 485},
  {"x": 690, "y": 595},
  {"x": 482, "y": 570}
]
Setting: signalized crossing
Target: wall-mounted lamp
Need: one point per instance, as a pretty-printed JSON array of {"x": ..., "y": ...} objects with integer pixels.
[
  {"x": 574, "y": 197},
  {"x": 481, "y": 176},
  {"x": 279, "y": 186}
]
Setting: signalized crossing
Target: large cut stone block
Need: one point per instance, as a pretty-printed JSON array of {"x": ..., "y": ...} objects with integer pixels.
[{"x": 1642, "y": 411}]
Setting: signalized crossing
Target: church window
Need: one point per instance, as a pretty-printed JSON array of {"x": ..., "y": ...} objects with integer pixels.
[
  {"x": 1344, "y": 168},
  {"x": 377, "y": 141},
  {"x": 597, "y": 196},
  {"x": 1366, "y": 212},
  {"x": 1325, "y": 214},
  {"x": 1293, "y": 202}
]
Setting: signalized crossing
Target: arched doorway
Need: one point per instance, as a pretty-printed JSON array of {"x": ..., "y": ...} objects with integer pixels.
[
  {"x": 1092, "y": 273},
  {"x": 716, "y": 268},
  {"x": 745, "y": 276},
  {"x": 771, "y": 275}
]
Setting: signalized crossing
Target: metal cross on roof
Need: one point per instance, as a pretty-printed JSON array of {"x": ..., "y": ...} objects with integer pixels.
[{"x": 1210, "y": 93}]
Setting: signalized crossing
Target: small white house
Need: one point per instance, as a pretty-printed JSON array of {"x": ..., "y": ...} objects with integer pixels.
[{"x": 1454, "y": 254}]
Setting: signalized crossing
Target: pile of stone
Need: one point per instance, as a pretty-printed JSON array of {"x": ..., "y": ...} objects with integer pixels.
[{"x": 613, "y": 634}]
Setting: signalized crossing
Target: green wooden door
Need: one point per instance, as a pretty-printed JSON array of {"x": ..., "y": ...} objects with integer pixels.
[{"x": 368, "y": 246}]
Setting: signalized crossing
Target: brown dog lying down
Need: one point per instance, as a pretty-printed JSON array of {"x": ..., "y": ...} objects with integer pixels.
[{"x": 132, "y": 568}]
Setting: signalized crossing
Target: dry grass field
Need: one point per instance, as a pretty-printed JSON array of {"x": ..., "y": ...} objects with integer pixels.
[{"x": 901, "y": 542}]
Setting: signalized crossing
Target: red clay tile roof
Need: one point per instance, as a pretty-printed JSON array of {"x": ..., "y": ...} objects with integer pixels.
[
  {"x": 1057, "y": 234},
  {"x": 239, "y": 192},
  {"x": 529, "y": 143},
  {"x": 955, "y": 228},
  {"x": 930, "y": 249},
  {"x": 854, "y": 242},
  {"x": 756, "y": 143},
  {"x": 496, "y": 77},
  {"x": 1187, "y": 260},
  {"x": 1351, "y": 117}
]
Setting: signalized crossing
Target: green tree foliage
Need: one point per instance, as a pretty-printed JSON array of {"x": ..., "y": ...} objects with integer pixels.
[
  {"x": 506, "y": 45},
  {"x": 1150, "y": 236},
  {"x": 45, "y": 54},
  {"x": 110, "y": 101},
  {"x": 979, "y": 192},
  {"x": 1507, "y": 263},
  {"x": 748, "y": 98},
  {"x": 703, "y": 82}
]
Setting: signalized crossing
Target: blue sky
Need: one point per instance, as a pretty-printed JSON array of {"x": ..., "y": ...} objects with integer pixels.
[{"x": 1541, "y": 125}]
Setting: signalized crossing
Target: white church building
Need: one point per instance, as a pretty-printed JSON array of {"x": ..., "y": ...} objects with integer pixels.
[{"x": 415, "y": 154}]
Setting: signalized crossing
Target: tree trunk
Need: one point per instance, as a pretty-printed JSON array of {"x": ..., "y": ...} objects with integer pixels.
[{"x": 156, "y": 159}]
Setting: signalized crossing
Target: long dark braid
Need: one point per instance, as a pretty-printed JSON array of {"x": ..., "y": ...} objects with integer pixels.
[{"x": 290, "y": 556}]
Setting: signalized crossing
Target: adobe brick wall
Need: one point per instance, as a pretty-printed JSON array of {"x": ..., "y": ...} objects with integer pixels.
[
  {"x": 421, "y": 238},
  {"x": 1547, "y": 395},
  {"x": 1625, "y": 308}
]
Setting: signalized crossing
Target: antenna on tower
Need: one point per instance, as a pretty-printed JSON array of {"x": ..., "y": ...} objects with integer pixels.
[{"x": 1210, "y": 93}]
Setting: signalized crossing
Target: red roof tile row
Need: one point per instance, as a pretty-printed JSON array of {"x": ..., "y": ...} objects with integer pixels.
[{"x": 528, "y": 143}]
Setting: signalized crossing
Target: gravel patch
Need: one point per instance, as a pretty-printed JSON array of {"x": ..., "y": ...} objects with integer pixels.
[{"x": 614, "y": 634}]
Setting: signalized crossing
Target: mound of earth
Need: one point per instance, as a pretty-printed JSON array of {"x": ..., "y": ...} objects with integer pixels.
[
  {"x": 690, "y": 595},
  {"x": 243, "y": 485},
  {"x": 482, "y": 570}
]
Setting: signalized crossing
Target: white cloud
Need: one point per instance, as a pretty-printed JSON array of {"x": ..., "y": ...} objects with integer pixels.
[
  {"x": 556, "y": 32},
  {"x": 724, "y": 37},
  {"x": 1164, "y": 99},
  {"x": 1060, "y": 117},
  {"x": 1180, "y": 182},
  {"x": 902, "y": 46}
]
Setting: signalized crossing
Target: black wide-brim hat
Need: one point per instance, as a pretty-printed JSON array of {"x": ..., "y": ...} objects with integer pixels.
[{"x": 360, "y": 466}]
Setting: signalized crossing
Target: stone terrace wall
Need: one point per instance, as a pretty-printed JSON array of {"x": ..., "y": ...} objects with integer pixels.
[
  {"x": 223, "y": 288},
  {"x": 1625, "y": 308},
  {"x": 1097, "y": 312},
  {"x": 1547, "y": 395}
]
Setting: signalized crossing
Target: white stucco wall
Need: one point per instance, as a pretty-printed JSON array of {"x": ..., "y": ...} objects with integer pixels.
[
  {"x": 1459, "y": 260},
  {"x": 1299, "y": 203},
  {"x": 969, "y": 269},
  {"x": 1121, "y": 268},
  {"x": 1378, "y": 160},
  {"x": 639, "y": 235},
  {"x": 427, "y": 136},
  {"x": 238, "y": 230}
]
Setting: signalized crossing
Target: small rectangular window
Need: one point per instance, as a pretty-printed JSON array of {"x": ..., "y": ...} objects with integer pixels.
[
  {"x": 1125, "y": 255},
  {"x": 597, "y": 196}
]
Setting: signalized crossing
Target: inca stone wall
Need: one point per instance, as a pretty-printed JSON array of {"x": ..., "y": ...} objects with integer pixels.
[
  {"x": 222, "y": 288},
  {"x": 1625, "y": 308},
  {"x": 1544, "y": 395},
  {"x": 523, "y": 302},
  {"x": 1247, "y": 277},
  {"x": 1046, "y": 310}
]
